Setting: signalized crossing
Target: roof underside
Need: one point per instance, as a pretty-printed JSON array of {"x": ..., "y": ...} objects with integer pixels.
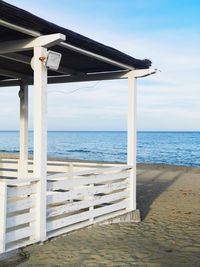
[{"x": 70, "y": 59}]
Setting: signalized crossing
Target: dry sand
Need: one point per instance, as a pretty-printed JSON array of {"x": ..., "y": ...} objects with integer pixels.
[{"x": 169, "y": 234}]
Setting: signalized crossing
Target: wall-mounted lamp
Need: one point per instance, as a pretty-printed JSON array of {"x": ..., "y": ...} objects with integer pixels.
[{"x": 52, "y": 61}]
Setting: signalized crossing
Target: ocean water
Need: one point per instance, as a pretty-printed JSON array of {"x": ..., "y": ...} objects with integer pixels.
[{"x": 176, "y": 148}]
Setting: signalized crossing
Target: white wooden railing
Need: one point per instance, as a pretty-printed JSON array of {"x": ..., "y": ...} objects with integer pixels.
[
  {"x": 85, "y": 198},
  {"x": 17, "y": 216},
  {"x": 78, "y": 195},
  {"x": 9, "y": 167}
]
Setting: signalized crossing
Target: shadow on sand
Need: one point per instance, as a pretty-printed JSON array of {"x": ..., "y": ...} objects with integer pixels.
[{"x": 150, "y": 189}]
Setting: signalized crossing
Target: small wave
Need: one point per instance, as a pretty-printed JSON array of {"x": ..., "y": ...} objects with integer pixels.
[
  {"x": 9, "y": 151},
  {"x": 78, "y": 151}
]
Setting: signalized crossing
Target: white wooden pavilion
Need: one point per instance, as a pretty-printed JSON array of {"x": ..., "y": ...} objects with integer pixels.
[{"x": 40, "y": 199}]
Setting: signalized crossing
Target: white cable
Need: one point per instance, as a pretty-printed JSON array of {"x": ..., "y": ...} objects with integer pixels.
[{"x": 75, "y": 90}]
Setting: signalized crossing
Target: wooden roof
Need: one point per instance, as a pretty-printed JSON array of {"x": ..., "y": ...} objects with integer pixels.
[{"x": 72, "y": 60}]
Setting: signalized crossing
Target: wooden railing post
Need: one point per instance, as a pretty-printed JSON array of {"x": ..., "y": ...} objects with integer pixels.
[{"x": 3, "y": 213}]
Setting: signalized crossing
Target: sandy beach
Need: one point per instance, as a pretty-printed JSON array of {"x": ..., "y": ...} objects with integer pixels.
[{"x": 169, "y": 201}]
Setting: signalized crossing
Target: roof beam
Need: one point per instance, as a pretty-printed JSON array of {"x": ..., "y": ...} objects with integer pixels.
[
  {"x": 13, "y": 74},
  {"x": 26, "y": 60},
  {"x": 102, "y": 76},
  {"x": 19, "y": 28},
  {"x": 68, "y": 46},
  {"x": 27, "y": 44},
  {"x": 96, "y": 56},
  {"x": 65, "y": 70},
  {"x": 87, "y": 77},
  {"x": 72, "y": 78},
  {"x": 64, "y": 44},
  {"x": 7, "y": 83},
  {"x": 17, "y": 57}
]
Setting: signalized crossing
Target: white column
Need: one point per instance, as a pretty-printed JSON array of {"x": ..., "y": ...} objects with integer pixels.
[
  {"x": 131, "y": 138},
  {"x": 23, "y": 155},
  {"x": 40, "y": 139}
]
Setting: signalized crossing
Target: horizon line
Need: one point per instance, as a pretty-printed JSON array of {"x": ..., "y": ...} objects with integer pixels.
[{"x": 106, "y": 130}]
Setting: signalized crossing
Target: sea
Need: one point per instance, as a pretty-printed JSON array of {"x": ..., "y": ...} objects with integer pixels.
[{"x": 174, "y": 148}]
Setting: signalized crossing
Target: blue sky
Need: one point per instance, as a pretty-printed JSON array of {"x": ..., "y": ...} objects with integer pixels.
[{"x": 167, "y": 32}]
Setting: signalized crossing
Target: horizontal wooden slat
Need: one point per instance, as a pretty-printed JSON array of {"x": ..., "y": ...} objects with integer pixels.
[
  {"x": 59, "y": 162},
  {"x": 53, "y": 168},
  {"x": 68, "y": 229},
  {"x": 111, "y": 208},
  {"x": 79, "y": 163},
  {"x": 9, "y": 160},
  {"x": 20, "y": 219},
  {"x": 85, "y": 164},
  {"x": 18, "y": 191},
  {"x": 84, "y": 192},
  {"x": 7, "y": 165},
  {"x": 19, "y": 234},
  {"x": 20, "y": 244},
  {"x": 62, "y": 176},
  {"x": 83, "y": 224},
  {"x": 90, "y": 172},
  {"x": 20, "y": 182},
  {"x": 86, "y": 180},
  {"x": 59, "y": 223},
  {"x": 74, "y": 206},
  {"x": 21, "y": 204},
  {"x": 12, "y": 174}
]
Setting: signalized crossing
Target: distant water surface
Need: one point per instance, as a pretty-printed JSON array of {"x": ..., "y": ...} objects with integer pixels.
[{"x": 176, "y": 148}]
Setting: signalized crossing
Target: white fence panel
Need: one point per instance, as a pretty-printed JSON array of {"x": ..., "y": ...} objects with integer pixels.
[
  {"x": 19, "y": 234},
  {"x": 79, "y": 205},
  {"x": 87, "y": 191},
  {"x": 85, "y": 197},
  {"x": 78, "y": 194},
  {"x": 17, "y": 213}
]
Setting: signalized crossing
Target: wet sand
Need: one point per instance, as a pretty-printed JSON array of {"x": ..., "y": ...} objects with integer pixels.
[{"x": 169, "y": 234}]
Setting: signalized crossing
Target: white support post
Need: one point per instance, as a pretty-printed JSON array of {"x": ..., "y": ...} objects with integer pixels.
[
  {"x": 131, "y": 138},
  {"x": 40, "y": 139},
  {"x": 23, "y": 156},
  {"x": 3, "y": 213}
]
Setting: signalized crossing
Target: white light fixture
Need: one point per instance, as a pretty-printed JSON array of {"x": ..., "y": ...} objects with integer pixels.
[{"x": 53, "y": 60}]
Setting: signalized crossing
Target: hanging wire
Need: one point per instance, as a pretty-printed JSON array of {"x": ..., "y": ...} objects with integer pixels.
[{"x": 75, "y": 90}]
